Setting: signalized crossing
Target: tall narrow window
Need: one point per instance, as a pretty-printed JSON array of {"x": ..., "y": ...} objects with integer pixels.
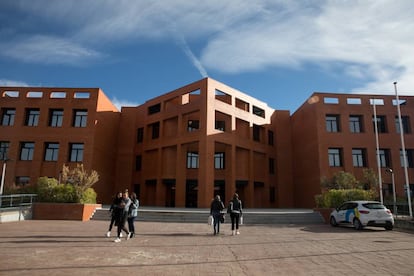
[
  {"x": 409, "y": 158},
  {"x": 8, "y": 115},
  {"x": 384, "y": 157},
  {"x": 26, "y": 151},
  {"x": 32, "y": 116},
  {"x": 405, "y": 120},
  {"x": 256, "y": 133},
  {"x": 138, "y": 163},
  {"x": 56, "y": 117},
  {"x": 358, "y": 158},
  {"x": 381, "y": 123},
  {"x": 76, "y": 152},
  {"x": 335, "y": 157},
  {"x": 271, "y": 166},
  {"x": 51, "y": 151},
  {"x": 270, "y": 137},
  {"x": 219, "y": 160},
  {"x": 140, "y": 135},
  {"x": 332, "y": 123},
  {"x": 4, "y": 150},
  {"x": 155, "y": 130},
  {"x": 355, "y": 123},
  {"x": 80, "y": 118},
  {"x": 192, "y": 160}
]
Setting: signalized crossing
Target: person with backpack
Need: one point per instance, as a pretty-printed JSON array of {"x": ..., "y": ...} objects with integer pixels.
[{"x": 236, "y": 211}]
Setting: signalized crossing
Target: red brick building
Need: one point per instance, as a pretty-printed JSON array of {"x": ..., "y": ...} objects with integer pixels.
[{"x": 183, "y": 147}]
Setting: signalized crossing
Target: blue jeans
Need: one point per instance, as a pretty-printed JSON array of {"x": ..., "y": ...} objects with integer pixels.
[
  {"x": 131, "y": 225},
  {"x": 216, "y": 224}
]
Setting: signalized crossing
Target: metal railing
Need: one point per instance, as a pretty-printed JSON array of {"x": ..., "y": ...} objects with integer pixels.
[{"x": 16, "y": 200}]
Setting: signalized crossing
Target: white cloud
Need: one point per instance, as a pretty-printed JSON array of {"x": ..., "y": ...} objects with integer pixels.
[
  {"x": 13, "y": 83},
  {"x": 47, "y": 49},
  {"x": 120, "y": 103}
]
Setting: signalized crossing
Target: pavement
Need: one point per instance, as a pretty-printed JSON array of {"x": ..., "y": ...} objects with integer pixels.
[{"x": 40, "y": 247}]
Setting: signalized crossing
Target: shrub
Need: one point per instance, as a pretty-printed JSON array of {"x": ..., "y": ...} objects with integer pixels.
[{"x": 333, "y": 198}]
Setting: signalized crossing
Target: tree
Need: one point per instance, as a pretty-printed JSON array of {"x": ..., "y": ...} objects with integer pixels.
[
  {"x": 80, "y": 179},
  {"x": 340, "y": 180}
]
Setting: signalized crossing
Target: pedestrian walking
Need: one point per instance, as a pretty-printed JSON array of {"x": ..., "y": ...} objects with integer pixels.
[
  {"x": 236, "y": 211},
  {"x": 216, "y": 208},
  {"x": 122, "y": 215},
  {"x": 112, "y": 210},
  {"x": 132, "y": 214}
]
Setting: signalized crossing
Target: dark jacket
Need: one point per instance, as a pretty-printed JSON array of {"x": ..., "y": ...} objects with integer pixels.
[
  {"x": 235, "y": 206},
  {"x": 216, "y": 207}
]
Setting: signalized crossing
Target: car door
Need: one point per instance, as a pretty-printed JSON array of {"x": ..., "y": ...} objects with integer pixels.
[{"x": 343, "y": 211}]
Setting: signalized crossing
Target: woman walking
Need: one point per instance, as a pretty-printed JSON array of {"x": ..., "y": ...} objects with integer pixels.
[
  {"x": 122, "y": 215},
  {"x": 215, "y": 210},
  {"x": 236, "y": 211},
  {"x": 132, "y": 214}
]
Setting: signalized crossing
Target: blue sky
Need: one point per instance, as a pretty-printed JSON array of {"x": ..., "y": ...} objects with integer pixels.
[{"x": 278, "y": 51}]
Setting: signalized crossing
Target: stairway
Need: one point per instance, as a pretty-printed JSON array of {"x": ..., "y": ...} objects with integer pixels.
[{"x": 250, "y": 216}]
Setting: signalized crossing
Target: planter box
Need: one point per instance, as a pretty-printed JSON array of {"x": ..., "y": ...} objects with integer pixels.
[
  {"x": 64, "y": 211},
  {"x": 325, "y": 213}
]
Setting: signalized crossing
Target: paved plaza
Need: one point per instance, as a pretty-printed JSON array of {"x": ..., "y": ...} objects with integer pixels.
[{"x": 81, "y": 248}]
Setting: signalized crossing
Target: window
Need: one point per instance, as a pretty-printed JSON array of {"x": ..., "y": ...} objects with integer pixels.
[
  {"x": 409, "y": 158},
  {"x": 22, "y": 180},
  {"x": 80, "y": 118},
  {"x": 405, "y": 120},
  {"x": 76, "y": 152},
  {"x": 355, "y": 123},
  {"x": 4, "y": 150},
  {"x": 56, "y": 117},
  {"x": 193, "y": 125},
  {"x": 8, "y": 115},
  {"x": 219, "y": 160},
  {"x": 270, "y": 137},
  {"x": 26, "y": 151},
  {"x": 192, "y": 160},
  {"x": 335, "y": 157},
  {"x": 220, "y": 125},
  {"x": 384, "y": 157},
  {"x": 154, "y": 109},
  {"x": 256, "y": 133},
  {"x": 140, "y": 135},
  {"x": 258, "y": 111},
  {"x": 271, "y": 166},
  {"x": 138, "y": 163},
  {"x": 332, "y": 123},
  {"x": 381, "y": 124},
  {"x": 51, "y": 151},
  {"x": 32, "y": 117},
  {"x": 358, "y": 158},
  {"x": 155, "y": 130},
  {"x": 82, "y": 95}
]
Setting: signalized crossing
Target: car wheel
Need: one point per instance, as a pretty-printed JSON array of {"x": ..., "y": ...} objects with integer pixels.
[
  {"x": 357, "y": 224},
  {"x": 389, "y": 227},
  {"x": 332, "y": 221}
]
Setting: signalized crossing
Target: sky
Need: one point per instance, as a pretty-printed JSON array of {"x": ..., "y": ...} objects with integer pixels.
[{"x": 278, "y": 51}]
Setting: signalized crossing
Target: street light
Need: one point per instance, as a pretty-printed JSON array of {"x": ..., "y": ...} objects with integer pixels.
[
  {"x": 389, "y": 170},
  {"x": 407, "y": 185},
  {"x": 3, "y": 173}
]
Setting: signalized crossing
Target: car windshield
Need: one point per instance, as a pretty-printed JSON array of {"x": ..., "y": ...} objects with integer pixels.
[{"x": 373, "y": 205}]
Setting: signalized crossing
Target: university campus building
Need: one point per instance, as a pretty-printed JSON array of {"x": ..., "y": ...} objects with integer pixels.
[{"x": 182, "y": 148}]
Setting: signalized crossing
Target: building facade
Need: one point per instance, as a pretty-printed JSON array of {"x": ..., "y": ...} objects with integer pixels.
[
  {"x": 336, "y": 132},
  {"x": 43, "y": 128},
  {"x": 206, "y": 138}
]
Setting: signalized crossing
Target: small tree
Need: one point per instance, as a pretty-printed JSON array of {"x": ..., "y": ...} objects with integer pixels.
[
  {"x": 340, "y": 180},
  {"x": 80, "y": 179}
]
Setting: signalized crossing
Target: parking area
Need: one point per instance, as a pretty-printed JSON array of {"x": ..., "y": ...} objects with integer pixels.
[{"x": 81, "y": 248}]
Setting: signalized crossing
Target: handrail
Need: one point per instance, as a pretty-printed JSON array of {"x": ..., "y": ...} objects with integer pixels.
[{"x": 16, "y": 200}]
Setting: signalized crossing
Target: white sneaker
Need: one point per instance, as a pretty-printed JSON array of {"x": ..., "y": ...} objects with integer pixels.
[
  {"x": 108, "y": 234},
  {"x": 120, "y": 235},
  {"x": 117, "y": 240},
  {"x": 128, "y": 236},
  {"x": 237, "y": 232}
]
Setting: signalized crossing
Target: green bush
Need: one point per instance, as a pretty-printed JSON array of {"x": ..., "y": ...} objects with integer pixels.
[
  {"x": 334, "y": 198},
  {"x": 49, "y": 190}
]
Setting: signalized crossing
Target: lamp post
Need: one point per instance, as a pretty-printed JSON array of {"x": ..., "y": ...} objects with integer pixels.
[
  {"x": 377, "y": 150},
  {"x": 394, "y": 197},
  {"x": 407, "y": 185},
  {"x": 3, "y": 174}
]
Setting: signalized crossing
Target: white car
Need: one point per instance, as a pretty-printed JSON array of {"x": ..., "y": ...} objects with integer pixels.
[{"x": 362, "y": 213}]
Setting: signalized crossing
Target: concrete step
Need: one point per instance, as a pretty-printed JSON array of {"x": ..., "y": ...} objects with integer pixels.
[{"x": 250, "y": 216}]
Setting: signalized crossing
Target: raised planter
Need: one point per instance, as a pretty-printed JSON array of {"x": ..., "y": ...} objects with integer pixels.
[
  {"x": 325, "y": 213},
  {"x": 64, "y": 211}
]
